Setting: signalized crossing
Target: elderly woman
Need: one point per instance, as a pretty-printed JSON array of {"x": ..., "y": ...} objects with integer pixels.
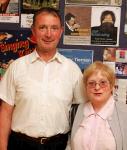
[{"x": 101, "y": 122}]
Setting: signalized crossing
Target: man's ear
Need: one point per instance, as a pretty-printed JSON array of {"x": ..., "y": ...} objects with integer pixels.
[
  {"x": 62, "y": 30},
  {"x": 32, "y": 38}
]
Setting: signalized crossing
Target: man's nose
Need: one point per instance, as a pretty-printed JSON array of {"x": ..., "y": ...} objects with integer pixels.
[{"x": 48, "y": 32}]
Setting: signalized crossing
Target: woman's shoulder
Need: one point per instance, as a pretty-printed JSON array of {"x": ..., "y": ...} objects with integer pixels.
[
  {"x": 121, "y": 104},
  {"x": 121, "y": 107}
]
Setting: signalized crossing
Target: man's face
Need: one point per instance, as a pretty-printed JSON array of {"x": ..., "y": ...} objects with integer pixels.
[
  {"x": 47, "y": 31},
  {"x": 71, "y": 22}
]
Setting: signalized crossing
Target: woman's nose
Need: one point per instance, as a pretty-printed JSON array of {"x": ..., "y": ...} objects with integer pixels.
[{"x": 97, "y": 86}]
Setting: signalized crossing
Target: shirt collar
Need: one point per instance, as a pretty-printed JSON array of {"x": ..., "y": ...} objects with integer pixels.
[
  {"x": 57, "y": 57},
  {"x": 104, "y": 113}
]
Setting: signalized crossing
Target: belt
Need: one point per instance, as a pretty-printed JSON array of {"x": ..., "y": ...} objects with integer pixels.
[{"x": 40, "y": 140}]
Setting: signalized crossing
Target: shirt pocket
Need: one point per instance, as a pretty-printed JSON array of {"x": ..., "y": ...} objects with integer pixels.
[{"x": 63, "y": 90}]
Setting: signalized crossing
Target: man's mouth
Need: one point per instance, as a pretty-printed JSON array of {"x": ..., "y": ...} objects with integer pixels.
[{"x": 48, "y": 41}]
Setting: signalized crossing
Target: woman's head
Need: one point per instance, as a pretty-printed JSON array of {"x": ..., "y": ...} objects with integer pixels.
[
  {"x": 98, "y": 66},
  {"x": 99, "y": 80}
]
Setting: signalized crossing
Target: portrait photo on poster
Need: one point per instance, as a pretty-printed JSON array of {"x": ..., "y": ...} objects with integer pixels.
[{"x": 105, "y": 25}]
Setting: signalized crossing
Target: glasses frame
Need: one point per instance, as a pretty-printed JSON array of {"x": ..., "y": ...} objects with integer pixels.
[{"x": 101, "y": 83}]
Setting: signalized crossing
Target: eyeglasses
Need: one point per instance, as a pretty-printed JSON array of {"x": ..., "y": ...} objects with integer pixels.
[{"x": 102, "y": 84}]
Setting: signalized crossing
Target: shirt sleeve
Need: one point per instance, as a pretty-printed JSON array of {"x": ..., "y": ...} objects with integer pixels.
[
  {"x": 79, "y": 96},
  {"x": 7, "y": 86}
]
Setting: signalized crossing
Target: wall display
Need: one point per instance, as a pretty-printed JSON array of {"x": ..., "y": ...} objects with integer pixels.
[
  {"x": 120, "y": 91},
  {"x": 110, "y": 64},
  {"x": 125, "y": 26},
  {"x": 95, "y": 2},
  {"x": 99, "y": 26},
  {"x": 26, "y": 20},
  {"x": 121, "y": 69},
  {"x": 121, "y": 55},
  {"x": 109, "y": 54},
  {"x": 9, "y": 11},
  {"x": 28, "y": 7},
  {"x": 115, "y": 54},
  {"x": 105, "y": 25},
  {"x": 81, "y": 57},
  {"x": 77, "y": 25},
  {"x": 12, "y": 46},
  {"x": 87, "y": 16}
]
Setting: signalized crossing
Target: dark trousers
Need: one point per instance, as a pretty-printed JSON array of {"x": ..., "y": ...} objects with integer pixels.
[{"x": 19, "y": 143}]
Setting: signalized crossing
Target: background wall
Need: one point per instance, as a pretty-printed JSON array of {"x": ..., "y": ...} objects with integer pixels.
[{"x": 98, "y": 50}]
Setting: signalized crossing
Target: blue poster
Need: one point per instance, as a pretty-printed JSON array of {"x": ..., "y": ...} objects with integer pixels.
[{"x": 81, "y": 57}]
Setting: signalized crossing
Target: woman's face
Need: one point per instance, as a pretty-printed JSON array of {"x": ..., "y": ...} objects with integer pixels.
[
  {"x": 108, "y": 18},
  {"x": 98, "y": 88}
]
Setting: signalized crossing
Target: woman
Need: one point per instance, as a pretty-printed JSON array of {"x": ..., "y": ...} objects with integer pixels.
[{"x": 100, "y": 123}]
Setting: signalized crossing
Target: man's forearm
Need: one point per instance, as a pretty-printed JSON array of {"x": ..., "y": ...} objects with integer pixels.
[{"x": 5, "y": 124}]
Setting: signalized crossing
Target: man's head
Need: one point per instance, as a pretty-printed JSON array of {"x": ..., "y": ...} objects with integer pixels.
[
  {"x": 47, "y": 29},
  {"x": 48, "y": 10},
  {"x": 70, "y": 19}
]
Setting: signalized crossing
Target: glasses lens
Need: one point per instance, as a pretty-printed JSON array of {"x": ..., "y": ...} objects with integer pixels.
[
  {"x": 91, "y": 84},
  {"x": 103, "y": 83}
]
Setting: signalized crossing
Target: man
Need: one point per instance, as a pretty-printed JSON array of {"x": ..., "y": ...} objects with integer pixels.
[
  {"x": 71, "y": 27},
  {"x": 37, "y": 91},
  {"x": 106, "y": 33}
]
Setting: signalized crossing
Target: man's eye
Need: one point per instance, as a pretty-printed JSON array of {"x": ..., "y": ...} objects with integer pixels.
[
  {"x": 55, "y": 28},
  {"x": 42, "y": 27}
]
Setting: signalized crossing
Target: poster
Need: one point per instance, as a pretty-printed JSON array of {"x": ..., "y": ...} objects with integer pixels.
[
  {"x": 125, "y": 25},
  {"x": 99, "y": 26},
  {"x": 121, "y": 55},
  {"x": 26, "y": 20},
  {"x": 9, "y": 11},
  {"x": 95, "y": 2},
  {"x": 81, "y": 57},
  {"x": 13, "y": 45},
  {"x": 105, "y": 25},
  {"x": 120, "y": 91},
  {"x": 28, "y": 7},
  {"x": 77, "y": 25},
  {"x": 121, "y": 69},
  {"x": 109, "y": 54}
]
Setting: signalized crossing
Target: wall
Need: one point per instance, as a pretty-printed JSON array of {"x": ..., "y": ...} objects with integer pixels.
[{"x": 98, "y": 50}]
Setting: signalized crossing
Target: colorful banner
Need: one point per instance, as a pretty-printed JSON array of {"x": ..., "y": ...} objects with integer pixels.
[{"x": 13, "y": 45}]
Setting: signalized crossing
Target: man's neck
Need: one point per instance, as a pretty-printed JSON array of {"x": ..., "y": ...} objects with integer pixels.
[{"x": 46, "y": 55}]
